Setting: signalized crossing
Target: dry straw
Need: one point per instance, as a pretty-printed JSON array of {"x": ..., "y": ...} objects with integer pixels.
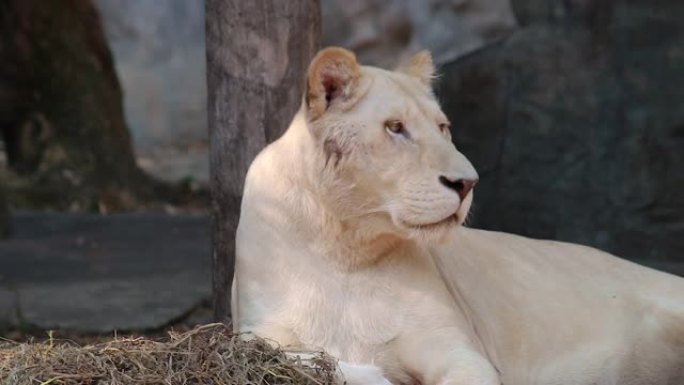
[{"x": 208, "y": 354}]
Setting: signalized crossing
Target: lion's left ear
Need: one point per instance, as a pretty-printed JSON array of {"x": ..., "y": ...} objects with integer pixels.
[
  {"x": 420, "y": 66},
  {"x": 332, "y": 80}
]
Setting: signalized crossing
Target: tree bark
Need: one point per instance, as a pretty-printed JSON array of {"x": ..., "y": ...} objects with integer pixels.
[
  {"x": 257, "y": 55},
  {"x": 61, "y": 112}
]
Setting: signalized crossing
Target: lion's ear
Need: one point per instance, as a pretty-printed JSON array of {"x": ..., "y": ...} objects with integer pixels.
[
  {"x": 420, "y": 66},
  {"x": 332, "y": 78}
]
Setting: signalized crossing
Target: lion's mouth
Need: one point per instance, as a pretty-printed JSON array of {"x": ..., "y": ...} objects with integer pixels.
[{"x": 448, "y": 221}]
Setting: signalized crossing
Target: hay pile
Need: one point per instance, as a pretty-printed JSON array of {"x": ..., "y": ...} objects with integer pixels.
[{"x": 209, "y": 354}]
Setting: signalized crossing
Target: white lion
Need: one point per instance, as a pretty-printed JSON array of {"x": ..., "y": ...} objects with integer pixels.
[{"x": 350, "y": 242}]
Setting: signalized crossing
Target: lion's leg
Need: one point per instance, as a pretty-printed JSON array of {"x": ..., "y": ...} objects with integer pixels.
[
  {"x": 354, "y": 374},
  {"x": 276, "y": 335},
  {"x": 445, "y": 358},
  {"x": 348, "y": 373}
]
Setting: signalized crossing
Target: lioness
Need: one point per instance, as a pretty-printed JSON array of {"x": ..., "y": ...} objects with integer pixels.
[{"x": 350, "y": 241}]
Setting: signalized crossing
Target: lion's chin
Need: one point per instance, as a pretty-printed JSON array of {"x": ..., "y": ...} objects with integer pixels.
[
  {"x": 434, "y": 232},
  {"x": 451, "y": 220}
]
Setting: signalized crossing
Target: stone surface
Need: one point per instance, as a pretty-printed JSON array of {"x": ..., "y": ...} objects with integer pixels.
[
  {"x": 132, "y": 303},
  {"x": 159, "y": 51},
  {"x": 4, "y": 213},
  {"x": 91, "y": 273},
  {"x": 382, "y": 32},
  {"x": 577, "y": 128},
  {"x": 9, "y": 307},
  {"x": 159, "y": 55}
]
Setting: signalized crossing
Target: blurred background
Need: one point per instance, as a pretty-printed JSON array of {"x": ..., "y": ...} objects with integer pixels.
[{"x": 572, "y": 111}]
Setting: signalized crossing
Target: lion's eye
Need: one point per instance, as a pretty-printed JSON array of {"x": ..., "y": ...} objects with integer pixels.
[
  {"x": 444, "y": 128},
  {"x": 395, "y": 127}
]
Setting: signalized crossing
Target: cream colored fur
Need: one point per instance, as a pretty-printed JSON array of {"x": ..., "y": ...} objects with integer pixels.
[{"x": 349, "y": 243}]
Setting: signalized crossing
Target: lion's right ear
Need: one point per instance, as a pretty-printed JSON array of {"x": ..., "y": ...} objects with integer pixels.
[
  {"x": 332, "y": 79},
  {"x": 420, "y": 66}
]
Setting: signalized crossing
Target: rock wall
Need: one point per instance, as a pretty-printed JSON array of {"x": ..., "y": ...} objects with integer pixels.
[
  {"x": 382, "y": 32},
  {"x": 159, "y": 50},
  {"x": 159, "y": 54},
  {"x": 4, "y": 213},
  {"x": 575, "y": 123},
  {"x": 574, "y": 119}
]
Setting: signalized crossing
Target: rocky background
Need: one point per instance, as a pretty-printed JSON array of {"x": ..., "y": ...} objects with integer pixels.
[
  {"x": 4, "y": 213},
  {"x": 575, "y": 122},
  {"x": 570, "y": 110}
]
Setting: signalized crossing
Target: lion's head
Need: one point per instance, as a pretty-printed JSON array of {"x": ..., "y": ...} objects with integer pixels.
[{"x": 385, "y": 146}]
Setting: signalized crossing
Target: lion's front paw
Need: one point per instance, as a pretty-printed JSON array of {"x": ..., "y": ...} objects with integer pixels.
[{"x": 356, "y": 374}]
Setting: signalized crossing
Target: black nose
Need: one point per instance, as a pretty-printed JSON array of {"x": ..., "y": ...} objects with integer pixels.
[{"x": 461, "y": 186}]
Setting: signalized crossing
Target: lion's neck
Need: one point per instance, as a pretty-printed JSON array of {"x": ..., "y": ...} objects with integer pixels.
[
  {"x": 351, "y": 246},
  {"x": 350, "y": 243}
]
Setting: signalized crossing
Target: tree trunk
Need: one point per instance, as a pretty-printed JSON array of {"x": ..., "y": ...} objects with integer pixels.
[
  {"x": 61, "y": 112},
  {"x": 257, "y": 55}
]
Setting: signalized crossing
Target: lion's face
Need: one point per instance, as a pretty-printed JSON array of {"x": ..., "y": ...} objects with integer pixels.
[{"x": 387, "y": 146}]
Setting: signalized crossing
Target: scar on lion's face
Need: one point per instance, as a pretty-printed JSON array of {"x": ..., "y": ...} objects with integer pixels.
[{"x": 331, "y": 147}]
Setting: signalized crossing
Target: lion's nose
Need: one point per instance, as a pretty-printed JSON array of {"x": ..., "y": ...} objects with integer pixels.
[{"x": 461, "y": 186}]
